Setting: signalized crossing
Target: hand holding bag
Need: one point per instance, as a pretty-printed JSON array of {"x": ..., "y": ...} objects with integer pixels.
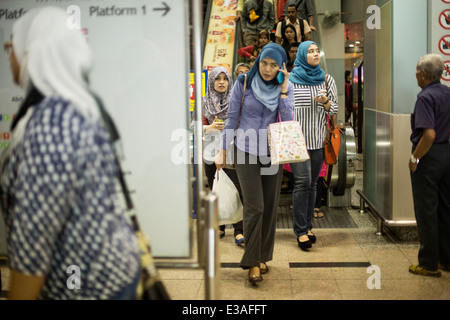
[{"x": 230, "y": 205}]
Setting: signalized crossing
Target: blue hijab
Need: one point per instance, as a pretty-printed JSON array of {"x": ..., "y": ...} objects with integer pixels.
[
  {"x": 303, "y": 73},
  {"x": 266, "y": 92}
]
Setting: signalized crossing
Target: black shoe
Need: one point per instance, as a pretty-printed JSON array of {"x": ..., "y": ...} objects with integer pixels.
[
  {"x": 304, "y": 244},
  {"x": 444, "y": 268},
  {"x": 312, "y": 238}
]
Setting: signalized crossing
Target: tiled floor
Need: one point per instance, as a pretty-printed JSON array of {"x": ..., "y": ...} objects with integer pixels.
[
  {"x": 326, "y": 280},
  {"x": 336, "y": 268},
  {"x": 334, "y": 275}
]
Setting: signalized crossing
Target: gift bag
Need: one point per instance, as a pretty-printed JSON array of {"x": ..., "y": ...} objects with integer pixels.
[
  {"x": 287, "y": 143},
  {"x": 230, "y": 205}
]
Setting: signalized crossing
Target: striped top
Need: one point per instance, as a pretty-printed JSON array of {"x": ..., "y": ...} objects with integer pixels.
[{"x": 311, "y": 114}]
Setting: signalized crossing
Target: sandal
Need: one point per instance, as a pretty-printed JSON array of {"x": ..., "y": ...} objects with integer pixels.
[
  {"x": 263, "y": 268},
  {"x": 239, "y": 239},
  {"x": 253, "y": 278},
  {"x": 318, "y": 214},
  {"x": 424, "y": 272}
]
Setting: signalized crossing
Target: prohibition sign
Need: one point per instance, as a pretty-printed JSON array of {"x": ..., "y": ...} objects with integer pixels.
[
  {"x": 444, "y": 44},
  {"x": 444, "y": 19},
  {"x": 446, "y": 1},
  {"x": 446, "y": 74}
]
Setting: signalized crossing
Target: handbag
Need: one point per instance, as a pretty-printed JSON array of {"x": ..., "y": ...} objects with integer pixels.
[
  {"x": 332, "y": 141},
  {"x": 229, "y": 160},
  {"x": 287, "y": 143},
  {"x": 332, "y": 146},
  {"x": 230, "y": 205}
]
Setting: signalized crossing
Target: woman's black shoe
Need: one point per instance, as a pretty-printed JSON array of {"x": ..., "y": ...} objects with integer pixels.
[
  {"x": 304, "y": 244},
  {"x": 312, "y": 238}
]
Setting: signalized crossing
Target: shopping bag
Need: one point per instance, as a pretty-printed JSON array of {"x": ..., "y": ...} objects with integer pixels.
[
  {"x": 230, "y": 205},
  {"x": 287, "y": 143}
]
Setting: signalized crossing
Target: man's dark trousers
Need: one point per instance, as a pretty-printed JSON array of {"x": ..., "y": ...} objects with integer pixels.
[{"x": 431, "y": 192}]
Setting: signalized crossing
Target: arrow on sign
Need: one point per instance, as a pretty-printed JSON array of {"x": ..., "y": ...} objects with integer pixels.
[{"x": 166, "y": 9}]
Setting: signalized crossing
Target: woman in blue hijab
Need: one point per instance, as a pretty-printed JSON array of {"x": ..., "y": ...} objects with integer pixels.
[
  {"x": 315, "y": 97},
  {"x": 266, "y": 97}
]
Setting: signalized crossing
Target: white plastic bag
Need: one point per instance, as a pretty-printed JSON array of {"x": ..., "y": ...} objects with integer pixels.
[{"x": 229, "y": 202}]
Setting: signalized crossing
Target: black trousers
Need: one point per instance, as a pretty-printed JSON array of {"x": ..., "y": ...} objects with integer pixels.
[
  {"x": 260, "y": 185},
  {"x": 210, "y": 171},
  {"x": 431, "y": 192}
]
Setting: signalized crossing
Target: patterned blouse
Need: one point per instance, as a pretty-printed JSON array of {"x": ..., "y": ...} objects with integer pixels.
[{"x": 63, "y": 214}]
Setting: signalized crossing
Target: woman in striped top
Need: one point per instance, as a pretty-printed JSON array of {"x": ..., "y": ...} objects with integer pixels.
[{"x": 315, "y": 97}]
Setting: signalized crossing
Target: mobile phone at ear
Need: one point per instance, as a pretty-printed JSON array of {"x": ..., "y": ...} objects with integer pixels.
[{"x": 280, "y": 77}]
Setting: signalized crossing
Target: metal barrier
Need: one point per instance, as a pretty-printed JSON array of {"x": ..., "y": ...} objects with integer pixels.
[
  {"x": 206, "y": 206},
  {"x": 381, "y": 220}
]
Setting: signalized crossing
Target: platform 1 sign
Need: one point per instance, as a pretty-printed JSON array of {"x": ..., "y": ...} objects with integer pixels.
[{"x": 141, "y": 71}]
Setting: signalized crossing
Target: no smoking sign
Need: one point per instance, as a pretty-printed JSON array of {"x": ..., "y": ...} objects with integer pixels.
[
  {"x": 444, "y": 19},
  {"x": 446, "y": 73}
]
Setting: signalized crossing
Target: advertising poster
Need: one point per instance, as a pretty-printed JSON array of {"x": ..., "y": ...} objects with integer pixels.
[
  {"x": 192, "y": 88},
  {"x": 219, "y": 47}
]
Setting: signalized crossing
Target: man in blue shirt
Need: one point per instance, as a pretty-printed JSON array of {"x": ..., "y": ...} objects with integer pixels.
[{"x": 430, "y": 167}]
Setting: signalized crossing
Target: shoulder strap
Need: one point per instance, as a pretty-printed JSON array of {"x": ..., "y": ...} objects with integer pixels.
[
  {"x": 242, "y": 101},
  {"x": 326, "y": 81},
  {"x": 302, "y": 28},
  {"x": 283, "y": 25}
]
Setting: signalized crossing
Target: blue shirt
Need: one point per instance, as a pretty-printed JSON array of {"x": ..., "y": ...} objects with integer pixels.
[
  {"x": 251, "y": 137},
  {"x": 432, "y": 111},
  {"x": 61, "y": 207}
]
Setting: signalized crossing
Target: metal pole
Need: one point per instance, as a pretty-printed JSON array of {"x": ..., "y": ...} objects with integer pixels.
[
  {"x": 211, "y": 236},
  {"x": 198, "y": 128},
  {"x": 361, "y": 205}
]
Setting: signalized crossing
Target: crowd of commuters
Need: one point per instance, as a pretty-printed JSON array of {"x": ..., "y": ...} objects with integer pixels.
[
  {"x": 265, "y": 94},
  {"x": 281, "y": 21}
]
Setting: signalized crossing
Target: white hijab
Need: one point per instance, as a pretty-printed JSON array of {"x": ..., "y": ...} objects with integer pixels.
[{"x": 56, "y": 59}]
